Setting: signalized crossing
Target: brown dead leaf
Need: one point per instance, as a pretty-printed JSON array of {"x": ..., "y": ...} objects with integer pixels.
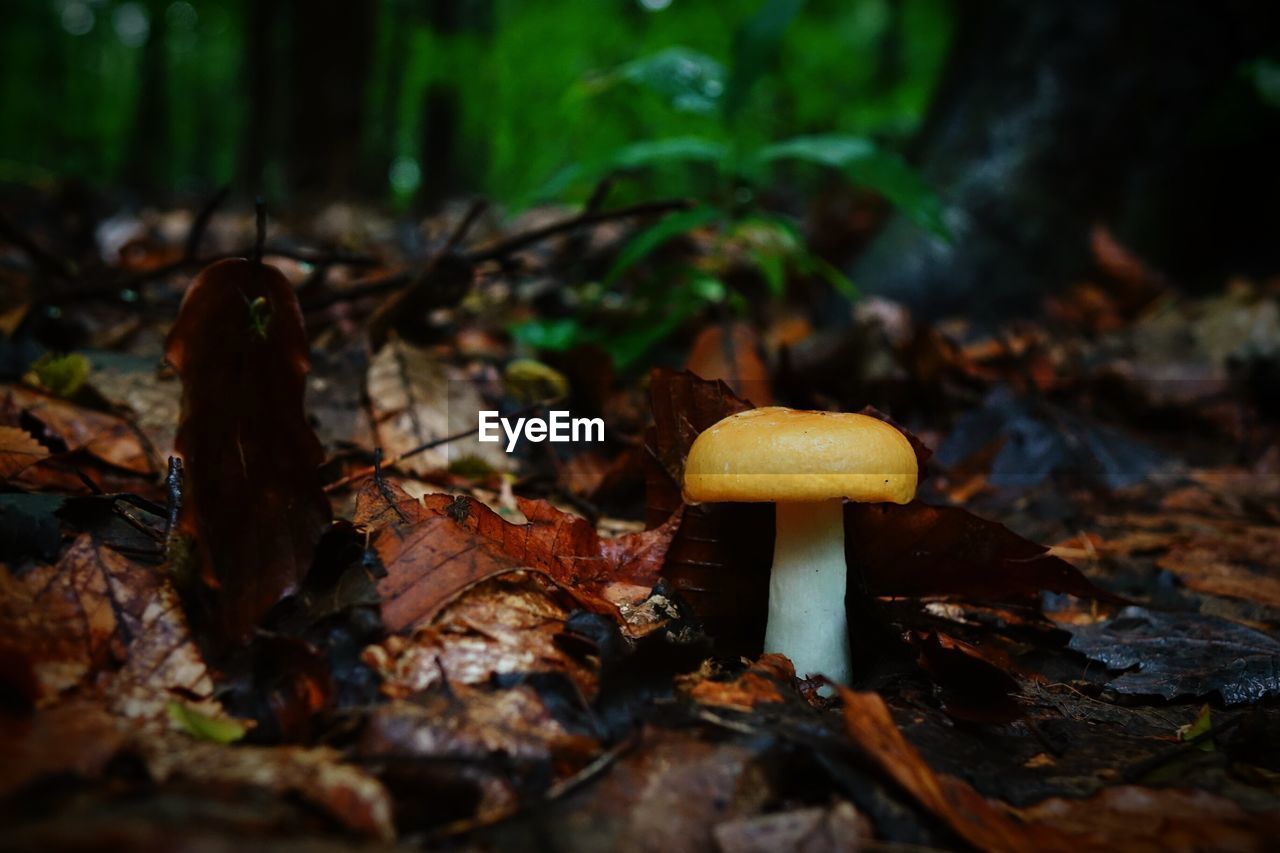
[
  {"x": 352, "y": 796},
  {"x": 730, "y": 353},
  {"x": 838, "y": 829},
  {"x": 96, "y": 610},
  {"x": 976, "y": 820},
  {"x": 1146, "y": 819},
  {"x": 450, "y": 543},
  {"x": 62, "y": 618},
  {"x": 253, "y": 500},
  {"x": 78, "y": 737},
  {"x": 502, "y": 743},
  {"x": 505, "y": 624},
  {"x": 18, "y": 451},
  {"x": 416, "y": 398},
  {"x": 920, "y": 550},
  {"x": 106, "y": 437},
  {"x": 760, "y": 684}
]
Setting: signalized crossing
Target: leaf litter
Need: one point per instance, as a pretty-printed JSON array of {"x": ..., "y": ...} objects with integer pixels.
[{"x": 477, "y": 665}]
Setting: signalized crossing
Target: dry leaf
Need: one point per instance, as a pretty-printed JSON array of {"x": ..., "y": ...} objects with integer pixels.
[{"x": 18, "y": 451}]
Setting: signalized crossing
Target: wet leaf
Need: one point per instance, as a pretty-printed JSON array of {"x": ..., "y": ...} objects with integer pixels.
[
  {"x": 1155, "y": 820},
  {"x": 252, "y": 501},
  {"x": 1182, "y": 654},
  {"x": 920, "y": 550},
  {"x": 504, "y": 625},
  {"x": 353, "y": 797},
  {"x": 451, "y": 543},
  {"x": 416, "y": 399},
  {"x": 964, "y": 810},
  {"x": 106, "y": 437},
  {"x": 18, "y": 451}
]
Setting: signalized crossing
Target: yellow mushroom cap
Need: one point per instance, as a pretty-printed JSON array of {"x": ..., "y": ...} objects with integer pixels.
[{"x": 789, "y": 455}]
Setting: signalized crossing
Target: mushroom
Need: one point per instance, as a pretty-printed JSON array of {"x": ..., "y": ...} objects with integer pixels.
[{"x": 807, "y": 463}]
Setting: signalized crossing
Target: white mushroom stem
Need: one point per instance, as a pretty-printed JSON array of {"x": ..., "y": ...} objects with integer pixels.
[{"x": 806, "y": 590}]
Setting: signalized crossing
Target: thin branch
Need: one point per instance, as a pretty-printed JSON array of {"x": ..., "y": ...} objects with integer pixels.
[
  {"x": 588, "y": 217},
  {"x": 260, "y": 213},
  {"x": 201, "y": 223}
]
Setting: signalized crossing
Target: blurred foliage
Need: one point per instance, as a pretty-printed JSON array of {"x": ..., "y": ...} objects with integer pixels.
[{"x": 538, "y": 87}]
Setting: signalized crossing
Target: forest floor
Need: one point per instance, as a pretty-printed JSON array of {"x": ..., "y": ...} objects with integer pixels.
[{"x": 363, "y": 627}]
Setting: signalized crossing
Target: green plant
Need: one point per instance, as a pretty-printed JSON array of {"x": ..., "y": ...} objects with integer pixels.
[{"x": 737, "y": 167}]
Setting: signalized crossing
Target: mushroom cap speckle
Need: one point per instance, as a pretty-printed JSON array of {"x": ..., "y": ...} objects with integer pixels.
[{"x": 780, "y": 454}]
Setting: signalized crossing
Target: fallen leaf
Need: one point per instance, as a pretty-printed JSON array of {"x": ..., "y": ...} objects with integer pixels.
[
  {"x": 252, "y": 500},
  {"x": 760, "y": 684},
  {"x": 838, "y": 829},
  {"x": 18, "y": 451},
  {"x": 502, "y": 625},
  {"x": 61, "y": 618},
  {"x": 504, "y": 743},
  {"x": 416, "y": 398},
  {"x": 107, "y": 437},
  {"x": 959, "y": 806},
  {"x": 352, "y": 796},
  {"x": 451, "y": 543},
  {"x": 76, "y": 737},
  {"x": 1182, "y": 654},
  {"x": 920, "y": 550},
  {"x": 721, "y": 556},
  {"x": 1155, "y": 820},
  {"x": 730, "y": 353}
]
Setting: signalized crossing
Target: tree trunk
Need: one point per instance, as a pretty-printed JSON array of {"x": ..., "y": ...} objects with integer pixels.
[
  {"x": 329, "y": 65},
  {"x": 1054, "y": 116}
]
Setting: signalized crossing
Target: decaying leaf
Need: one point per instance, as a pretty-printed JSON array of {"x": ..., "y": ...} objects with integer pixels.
[
  {"x": 964, "y": 810},
  {"x": 502, "y": 744},
  {"x": 416, "y": 398},
  {"x": 18, "y": 451},
  {"x": 106, "y": 437},
  {"x": 352, "y": 796},
  {"x": 920, "y": 550},
  {"x": 1155, "y": 820},
  {"x": 451, "y": 543},
  {"x": 253, "y": 501},
  {"x": 838, "y": 829},
  {"x": 502, "y": 625},
  {"x": 1182, "y": 654}
]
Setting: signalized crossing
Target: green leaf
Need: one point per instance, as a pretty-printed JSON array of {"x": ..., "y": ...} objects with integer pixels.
[
  {"x": 638, "y": 155},
  {"x": 865, "y": 163},
  {"x": 202, "y": 726},
  {"x": 60, "y": 375},
  {"x": 651, "y": 239},
  {"x": 557, "y": 335},
  {"x": 756, "y": 46},
  {"x": 1198, "y": 727},
  {"x": 688, "y": 80},
  {"x": 823, "y": 269}
]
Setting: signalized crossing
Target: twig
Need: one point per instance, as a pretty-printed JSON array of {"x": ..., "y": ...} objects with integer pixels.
[
  {"x": 430, "y": 445},
  {"x": 589, "y": 217},
  {"x": 173, "y": 483},
  {"x": 1140, "y": 770},
  {"x": 201, "y": 223},
  {"x": 260, "y": 213},
  {"x": 382, "y": 486}
]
